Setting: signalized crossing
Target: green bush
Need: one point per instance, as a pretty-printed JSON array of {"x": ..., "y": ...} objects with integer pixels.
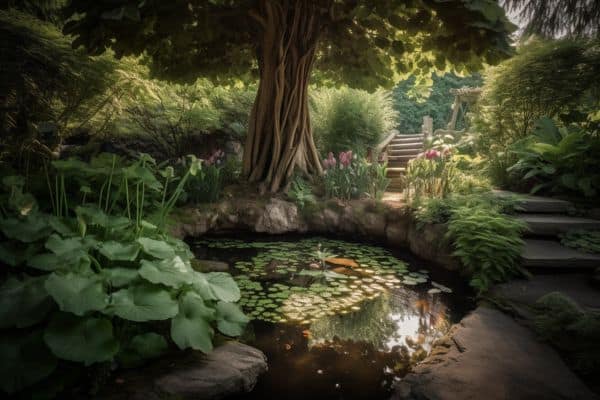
[
  {"x": 573, "y": 331},
  {"x": 430, "y": 175},
  {"x": 559, "y": 160},
  {"x": 486, "y": 241},
  {"x": 95, "y": 282},
  {"x": 582, "y": 240},
  {"x": 301, "y": 193},
  {"x": 350, "y": 119}
]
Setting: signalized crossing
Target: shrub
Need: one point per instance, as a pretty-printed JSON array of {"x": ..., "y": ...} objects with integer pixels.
[
  {"x": 351, "y": 119},
  {"x": 349, "y": 178},
  {"x": 487, "y": 241},
  {"x": 559, "y": 160},
  {"x": 573, "y": 331},
  {"x": 556, "y": 78},
  {"x": 95, "y": 282},
  {"x": 207, "y": 184},
  {"x": 582, "y": 240},
  {"x": 301, "y": 193}
]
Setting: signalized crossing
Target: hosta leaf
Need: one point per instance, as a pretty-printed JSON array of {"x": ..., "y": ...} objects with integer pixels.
[
  {"x": 13, "y": 254},
  {"x": 119, "y": 277},
  {"x": 231, "y": 321},
  {"x": 24, "y": 303},
  {"x": 142, "y": 347},
  {"x": 223, "y": 286},
  {"x": 172, "y": 272},
  {"x": 143, "y": 302},
  {"x": 87, "y": 340},
  {"x": 191, "y": 327},
  {"x": 77, "y": 293},
  {"x": 26, "y": 230},
  {"x": 156, "y": 248},
  {"x": 61, "y": 247},
  {"x": 76, "y": 261},
  {"x": 116, "y": 251},
  {"x": 24, "y": 360},
  {"x": 202, "y": 287}
]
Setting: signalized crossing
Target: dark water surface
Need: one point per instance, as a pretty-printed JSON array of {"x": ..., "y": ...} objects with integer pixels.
[{"x": 327, "y": 336}]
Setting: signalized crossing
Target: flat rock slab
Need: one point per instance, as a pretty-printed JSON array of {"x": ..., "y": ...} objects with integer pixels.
[
  {"x": 537, "y": 204},
  {"x": 490, "y": 356},
  {"x": 551, "y": 254},
  {"x": 527, "y": 291},
  {"x": 555, "y": 224},
  {"x": 230, "y": 369}
]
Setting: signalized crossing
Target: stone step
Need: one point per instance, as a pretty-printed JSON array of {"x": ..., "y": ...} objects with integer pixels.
[
  {"x": 405, "y": 145},
  {"x": 404, "y": 152},
  {"x": 555, "y": 224},
  {"x": 551, "y": 254},
  {"x": 537, "y": 204},
  {"x": 395, "y": 171},
  {"x": 402, "y": 158},
  {"x": 407, "y": 139}
]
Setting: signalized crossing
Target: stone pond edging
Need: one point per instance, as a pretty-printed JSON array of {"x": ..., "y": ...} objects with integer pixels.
[{"x": 355, "y": 219}]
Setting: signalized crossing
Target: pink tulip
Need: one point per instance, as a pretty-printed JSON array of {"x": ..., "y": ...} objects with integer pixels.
[
  {"x": 431, "y": 154},
  {"x": 345, "y": 158},
  {"x": 330, "y": 161}
]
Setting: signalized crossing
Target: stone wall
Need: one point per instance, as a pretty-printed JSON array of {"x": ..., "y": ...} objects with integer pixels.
[{"x": 356, "y": 219}]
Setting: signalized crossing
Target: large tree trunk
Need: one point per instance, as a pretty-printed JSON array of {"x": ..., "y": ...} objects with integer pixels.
[{"x": 279, "y": 135}]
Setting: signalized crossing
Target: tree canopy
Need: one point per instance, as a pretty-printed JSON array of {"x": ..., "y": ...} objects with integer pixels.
[{"x": 362, "y": 43}]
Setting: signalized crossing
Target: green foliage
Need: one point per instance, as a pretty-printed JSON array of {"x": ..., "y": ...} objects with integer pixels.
[
  {"x": 96, "y": 272},
  {"x": 352, "y": 179},
  {"x": 559, "y": 160},
  {"x": 413, "y": 103},
  {"x": 206, "y": 186},
  {"x": 363, "y": 43},
  {"x": 546, "y": 78},
  {"x": 486, "y": 241},
  {"x": 573, "y": 331},
  {"x": 430, "y": 175},
  {"x": 582, "y": 240},
  {"x": 301, "y": 193},
  {"x": 351, "y": 119}
]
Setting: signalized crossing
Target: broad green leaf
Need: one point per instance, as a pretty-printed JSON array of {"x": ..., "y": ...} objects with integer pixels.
[
  {"x": 88, "y": 340},
  {"x": 116, "y": 251},
  {"x": 24, "y": 360},
  {"x": 231, "y": 321},
  {"x": 77, "y": 293},
  {"x": 119, "y": 277},
  {"x": 202, "y": 287},
  {"x": 15, "y": 254},
  {"x": 156, "y": 248},
  {"x": 63, "y": 246},
  {"x": 191, "y": 327},
  {"x": 142, "y": 347},
  {"x": 27, "y": 230},
  {"x": 223, "y": 286},
  {"x": 173, "y": 272},
  {"x": 24, "y": 303},
  {"x": 143, "y": 302},
  {"x": 78, "y": 261}
]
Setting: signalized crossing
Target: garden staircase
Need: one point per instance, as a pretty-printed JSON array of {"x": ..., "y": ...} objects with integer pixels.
[
  {"x": 400, "y": 150},
  {"x": 547, "y": 219}
]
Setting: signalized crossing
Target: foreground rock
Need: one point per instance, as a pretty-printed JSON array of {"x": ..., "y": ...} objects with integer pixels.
[
  {"x": 490, "y": 356},
  {"x": 230, "y": 369}
]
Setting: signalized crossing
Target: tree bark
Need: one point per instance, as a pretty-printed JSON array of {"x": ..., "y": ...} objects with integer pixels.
[{"x": 279, "y": 135}]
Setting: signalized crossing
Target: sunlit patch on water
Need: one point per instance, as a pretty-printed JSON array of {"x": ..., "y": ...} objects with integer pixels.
[{"x": 336, "y": 319}]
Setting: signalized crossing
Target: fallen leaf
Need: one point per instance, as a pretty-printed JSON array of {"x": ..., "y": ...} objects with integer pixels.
[{"x": 346, "y": 262}]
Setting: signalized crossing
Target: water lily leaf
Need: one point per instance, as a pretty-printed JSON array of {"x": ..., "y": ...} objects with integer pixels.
[
  {"x": 87, "y": 340},
  {"x": 24, "y": 360},
  {"x": 231, "y": 321},
  {"x": 142, "y": 347},
  {"x": 143, "y": 302},
  {"x": 119, "y": 277},
  {"x": 223, "y": 286},
  {"x": 117, "y": 251},
  {"x": 156, "y": 248},
  {"x": 173, "y": 272},
  {"x": 27, "y": 230},
  {"x": 24, "y": 303},
  {"x": 77, "y": 293},
  {"x": 191, "y": 327}
]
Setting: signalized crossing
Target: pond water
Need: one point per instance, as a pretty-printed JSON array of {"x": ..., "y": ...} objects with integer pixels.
[{"x": 336, "y": 319}]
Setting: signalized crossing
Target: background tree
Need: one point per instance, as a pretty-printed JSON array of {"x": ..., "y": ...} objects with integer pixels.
[
  {"x": 552, "y": 18},
  {"x": 362, "y": 43}
]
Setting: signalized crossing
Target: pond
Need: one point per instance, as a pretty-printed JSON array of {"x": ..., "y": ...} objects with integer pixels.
[{"x": 336, "y": 319}]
